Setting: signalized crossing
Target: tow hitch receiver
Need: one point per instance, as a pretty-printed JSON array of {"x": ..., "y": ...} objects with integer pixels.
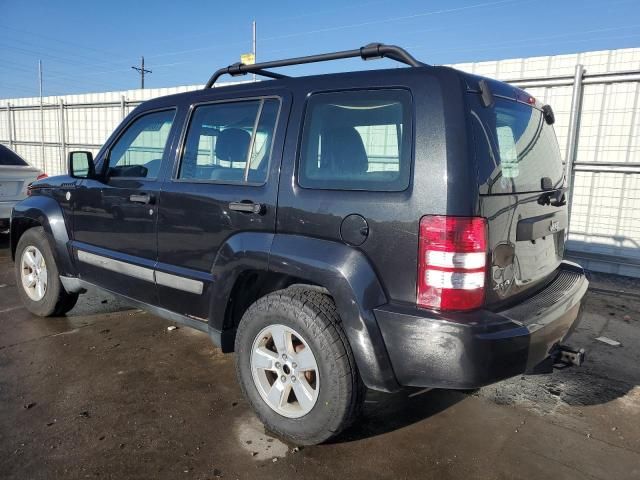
[{"x": 564, "y": 356}]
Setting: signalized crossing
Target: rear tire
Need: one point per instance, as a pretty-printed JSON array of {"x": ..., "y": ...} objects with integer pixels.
[
  {"x": 309, "y": 320},
  {"x": 37, "y": 276}
]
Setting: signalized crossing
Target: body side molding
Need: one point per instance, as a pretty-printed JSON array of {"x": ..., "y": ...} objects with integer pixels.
[{"x": 149, "y": 274}]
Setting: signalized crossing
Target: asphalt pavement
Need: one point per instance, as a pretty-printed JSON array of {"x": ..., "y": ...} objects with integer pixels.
[{"x": 109, "y": 392}]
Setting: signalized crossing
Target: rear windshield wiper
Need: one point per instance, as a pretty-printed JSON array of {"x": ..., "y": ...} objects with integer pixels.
[{"x": 559, "y": 198}]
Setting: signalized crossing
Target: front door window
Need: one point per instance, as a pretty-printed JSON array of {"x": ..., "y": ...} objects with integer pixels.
[{"x": 138, "y": 152}]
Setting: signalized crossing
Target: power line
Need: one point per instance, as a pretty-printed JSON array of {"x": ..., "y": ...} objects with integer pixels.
[
  {"x": 394, "y": 19},
  {"x": 34, "y": 34},
  {"x": 343, "y": 27}
]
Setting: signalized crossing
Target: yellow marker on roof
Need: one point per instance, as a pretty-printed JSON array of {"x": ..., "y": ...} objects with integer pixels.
[{"x": 248, "y": 58}]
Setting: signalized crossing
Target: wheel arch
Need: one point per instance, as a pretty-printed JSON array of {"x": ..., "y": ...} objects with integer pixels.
[
  {"x": 252, "y": 265},
  {"x": 353, "y": 284},
  {"x": 40, "y": 211}
]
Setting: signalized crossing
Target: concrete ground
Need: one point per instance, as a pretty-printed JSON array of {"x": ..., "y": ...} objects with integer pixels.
[{"x": 108, "y": 392}]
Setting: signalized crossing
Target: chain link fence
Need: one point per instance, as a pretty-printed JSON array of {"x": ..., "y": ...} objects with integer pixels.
[{"x": 595, "y": 97}]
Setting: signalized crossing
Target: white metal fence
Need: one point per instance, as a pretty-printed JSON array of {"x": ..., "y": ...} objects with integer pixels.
[{"x": 595, "y": 96}]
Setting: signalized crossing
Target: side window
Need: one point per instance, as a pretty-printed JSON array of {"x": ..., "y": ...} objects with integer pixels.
[
  {"x": 139, "y": 151},
  {"x": 357, "y": 140},
  {"x": 230, "y": 142}
]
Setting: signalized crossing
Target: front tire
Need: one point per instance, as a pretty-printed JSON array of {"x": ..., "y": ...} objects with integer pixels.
[
  {"x": 295, "y": 366},
  {"x": 37, "y": 276}
]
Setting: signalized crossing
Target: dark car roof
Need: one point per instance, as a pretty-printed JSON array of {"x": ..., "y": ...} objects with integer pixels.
[
  {"x": 265, "y": 87},
  {"x": 392, "y": 76}
]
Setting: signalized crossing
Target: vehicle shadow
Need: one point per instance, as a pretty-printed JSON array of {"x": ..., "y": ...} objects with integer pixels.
[{"x": 387, "y": 412}]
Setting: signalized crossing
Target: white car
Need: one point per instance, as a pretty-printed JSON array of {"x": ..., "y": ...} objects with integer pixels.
[{"x": 15, "y": 177}]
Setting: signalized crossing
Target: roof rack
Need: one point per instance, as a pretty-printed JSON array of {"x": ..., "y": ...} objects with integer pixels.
[{"x": 368, "y": 52}]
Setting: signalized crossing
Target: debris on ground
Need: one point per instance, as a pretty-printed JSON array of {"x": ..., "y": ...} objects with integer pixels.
[
  {"x": 626, "y": 318},
  {"x": 274, "y": 460},
  {"x": 29, "y": 406},
  {"x": 84, "y": 414},
  {"x": 609, "y": 341},
  {"x": 171, "y": 328}
]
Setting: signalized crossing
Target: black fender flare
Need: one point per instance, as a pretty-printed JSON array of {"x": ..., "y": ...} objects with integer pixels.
[
  {"x": 47, "y": 213},
  {"x": 239, "y": 253},
  {"x": 353, "y": 283}
]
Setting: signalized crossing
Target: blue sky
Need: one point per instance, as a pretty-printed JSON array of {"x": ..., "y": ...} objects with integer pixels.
[{"x": 90, "y": 46}]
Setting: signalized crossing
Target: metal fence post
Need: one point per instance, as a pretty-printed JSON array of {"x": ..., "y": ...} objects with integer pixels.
[
  {"x": 63, "y": 139},
  {"x": 573, "y": 135},
  {"x": 122, "y": 107},
  {"x": 44, "y": 160},
  {"x": 10, "y": 125}
]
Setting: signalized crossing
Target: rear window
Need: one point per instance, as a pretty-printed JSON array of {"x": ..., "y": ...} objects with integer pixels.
[
  {"x": 515, "y": 149},
  {"x": 9, "y": 157},
  {"x": 357, "y": 140}
]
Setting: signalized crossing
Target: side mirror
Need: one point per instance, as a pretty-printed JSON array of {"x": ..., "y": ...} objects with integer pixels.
[{"x": 81, "y": 165}]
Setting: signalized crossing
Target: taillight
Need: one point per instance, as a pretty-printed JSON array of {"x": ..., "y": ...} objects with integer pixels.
[
  {"x": 41, "y": 176},
  {"x": 452, "y": 262}
]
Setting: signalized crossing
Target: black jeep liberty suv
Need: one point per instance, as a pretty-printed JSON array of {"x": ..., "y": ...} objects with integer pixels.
[{"x": 380, "y": 229}]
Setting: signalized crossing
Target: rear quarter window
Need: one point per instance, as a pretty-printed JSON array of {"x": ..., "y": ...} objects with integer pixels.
[
  {"x": 515, "y": 148},
  {"x": 9, "y": 157},
  {"x": 357, "y": 140}
]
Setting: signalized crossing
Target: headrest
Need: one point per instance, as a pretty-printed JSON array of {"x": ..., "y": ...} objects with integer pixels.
[
  {"x": 343, "y": 151},
  {"x": 232, "y": 145}
]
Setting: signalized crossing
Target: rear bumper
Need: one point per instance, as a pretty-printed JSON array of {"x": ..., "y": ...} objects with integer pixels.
[{"x": 469, "y": 350}]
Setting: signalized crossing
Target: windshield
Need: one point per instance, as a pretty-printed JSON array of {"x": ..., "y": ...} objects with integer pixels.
[
  {"x": 515, "y": 149},
  {"x": 9, "y": 157}
]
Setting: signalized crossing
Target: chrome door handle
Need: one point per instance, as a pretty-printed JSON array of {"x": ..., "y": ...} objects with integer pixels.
[
  {"x": 143, "y": 198},
  {"x": 247, "y": 207}
]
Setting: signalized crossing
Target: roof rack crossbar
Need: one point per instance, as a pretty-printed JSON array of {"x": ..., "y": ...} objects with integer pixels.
[{"x": 368, "y": 52}]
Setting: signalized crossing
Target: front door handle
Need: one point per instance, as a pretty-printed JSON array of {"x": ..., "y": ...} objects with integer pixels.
[
  {"x": 247, "y": 207},
  {"x": 144, "y": 198}
]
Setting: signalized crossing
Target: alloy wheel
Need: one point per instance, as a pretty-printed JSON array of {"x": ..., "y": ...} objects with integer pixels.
[{"x": 285, "y": 371}]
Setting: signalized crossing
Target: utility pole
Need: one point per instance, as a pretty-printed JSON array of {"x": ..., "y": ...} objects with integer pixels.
[
  {"x": 142, "y": 71},
  {"x": 253, "y": 45}
]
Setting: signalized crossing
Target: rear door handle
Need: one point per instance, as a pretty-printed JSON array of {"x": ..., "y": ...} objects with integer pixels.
[
  {"x": 247, "y": 207},
  {"x": 144, "y": 198}
]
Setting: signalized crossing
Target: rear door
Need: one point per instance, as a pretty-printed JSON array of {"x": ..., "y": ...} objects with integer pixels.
[
  {"x": 224, "y": 183},
  {"x": 115, "y": 220},
  {"x": 349, "y": 177},
  {"x": 521, "y": 181}
]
